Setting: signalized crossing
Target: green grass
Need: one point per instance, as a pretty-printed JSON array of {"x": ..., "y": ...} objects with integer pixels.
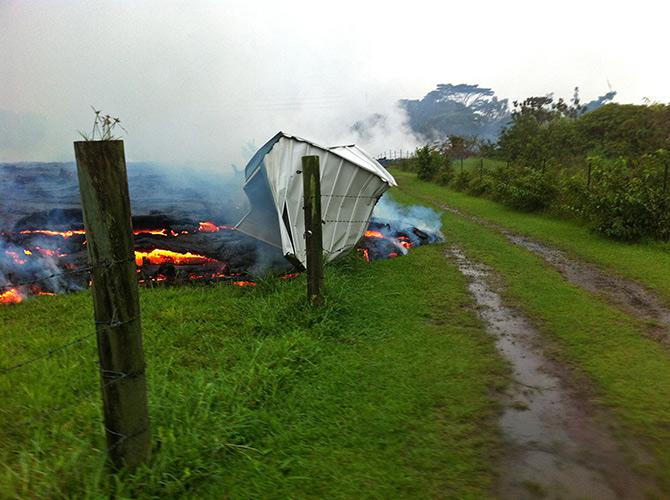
[
  {"x": 385, "y": 392},
  {"x": 474, "y": 164},
  {"x": 629, "y": 374},
  {"x": 647, "y": 262}
]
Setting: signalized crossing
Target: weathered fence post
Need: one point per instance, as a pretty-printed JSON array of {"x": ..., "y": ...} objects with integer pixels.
[
  {"x": 313, "y": 239},
  {"x": 103, "y": 182}
]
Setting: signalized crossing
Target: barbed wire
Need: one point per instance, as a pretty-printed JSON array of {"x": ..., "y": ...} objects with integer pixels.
[
  {"x": 112, "y": 323},
  {"x": 44, "y": 355}
]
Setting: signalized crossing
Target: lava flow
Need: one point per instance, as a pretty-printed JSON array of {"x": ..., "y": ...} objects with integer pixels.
[
  {"x": 48, "y": 232},
  {"x": 159, "y": 256},
  {"x": 11, "y": 296},
  {"x": 210, "y": 227}
]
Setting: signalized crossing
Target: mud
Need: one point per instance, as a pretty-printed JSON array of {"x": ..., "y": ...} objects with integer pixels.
[
  {"x": 557, "y": 446},
  {"x": 627, "y": 295}
]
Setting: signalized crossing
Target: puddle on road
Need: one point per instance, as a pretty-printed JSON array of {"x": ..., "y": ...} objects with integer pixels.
[{"x": 555, "y": 449}]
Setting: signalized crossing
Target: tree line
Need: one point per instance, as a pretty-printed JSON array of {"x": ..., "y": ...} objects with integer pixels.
[{"x": 608, "y": 167}]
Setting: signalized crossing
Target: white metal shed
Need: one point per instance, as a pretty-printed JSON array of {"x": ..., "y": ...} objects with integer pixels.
[{"x": 351, "y": 184}]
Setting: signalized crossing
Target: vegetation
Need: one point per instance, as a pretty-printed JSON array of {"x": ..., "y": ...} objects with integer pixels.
[
  {"x": 648, "y": 262},
  {"x": 628, "y": 373},
  {"x": 608, "y": 167},
  {"x": 386, "y": 391}
]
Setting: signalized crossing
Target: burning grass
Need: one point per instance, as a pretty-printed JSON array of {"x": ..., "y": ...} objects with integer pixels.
[{"x": 255, "y": 395}]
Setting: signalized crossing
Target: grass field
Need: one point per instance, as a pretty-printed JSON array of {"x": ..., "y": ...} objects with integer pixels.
[
  {"x": 628, "y": 373},
  {"x": 385, "y": 392},
  {"x": 647, "y": 262}
]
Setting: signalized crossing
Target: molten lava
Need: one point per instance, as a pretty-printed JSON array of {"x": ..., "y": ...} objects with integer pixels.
[
  {"x": 160, "y": 256},
  {"x": 244, "y": 283},
  {"x": 47, "y": 232},
  {"x": 373, "y": 234},
  {"x": 11, "y": 296},
  {"x": 210, "y": 227}
]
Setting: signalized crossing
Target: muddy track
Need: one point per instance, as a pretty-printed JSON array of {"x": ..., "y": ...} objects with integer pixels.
[
  {"x": 557, "y": 446},
  {"x": 625, "y": 294}
]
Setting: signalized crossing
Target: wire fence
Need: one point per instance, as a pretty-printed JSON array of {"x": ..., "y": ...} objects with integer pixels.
[{"x": 107, "y": 377}]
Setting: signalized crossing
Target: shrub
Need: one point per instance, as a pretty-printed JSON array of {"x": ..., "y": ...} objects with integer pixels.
[
  {"x": 461, "y": 181},
  {"x": 426, "y": 168},
  {"x": 524, "y": 188},
  {"x": 431, "y": 165},
  {"x": 628, "y": 203},
  {"x": 481, "y": 185},
  {"x": 445, "y": 171}
]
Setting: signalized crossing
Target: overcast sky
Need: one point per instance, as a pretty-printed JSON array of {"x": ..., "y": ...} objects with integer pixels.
[{"x": 200, "y": 80}]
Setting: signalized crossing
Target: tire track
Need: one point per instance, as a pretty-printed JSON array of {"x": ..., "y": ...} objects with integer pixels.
[
  {"x": 556, "y": 445},
  {"x": 625, "y": 294}
]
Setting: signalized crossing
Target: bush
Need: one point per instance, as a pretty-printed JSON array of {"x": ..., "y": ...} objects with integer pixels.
[
  {"x": 525, "y": 189},
  {"x": 481, "y": 185},
  {"x": 431, "y": 165},
  {"x": 629, "y": 204},
  {"x": 462, "y": 181},
  {"x": 445, "y": 172}
]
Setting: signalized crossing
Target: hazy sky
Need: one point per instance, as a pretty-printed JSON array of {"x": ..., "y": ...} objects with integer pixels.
[{"x": 199, "y": 80}]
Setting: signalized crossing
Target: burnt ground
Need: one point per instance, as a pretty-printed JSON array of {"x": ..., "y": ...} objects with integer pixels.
[
  {"x": 625, "y": 294},
  {"x": 557, "y": 443}
]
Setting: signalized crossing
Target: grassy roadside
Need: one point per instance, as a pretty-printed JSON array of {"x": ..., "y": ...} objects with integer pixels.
[
  {"x": 648, "y": 263},
  {"x": 383, "y": 393},
  {"x": 629, "y": 373}
]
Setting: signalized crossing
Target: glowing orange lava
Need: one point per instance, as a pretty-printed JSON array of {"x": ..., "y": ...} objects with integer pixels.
[
  {"x": 210, "y": 227},
  {"x": 366, "y": 254},
  {"x": 244, "y": 283},
  {"x": 160, "y": 232},
  {"x": 47, "y": 232},
  {"x": 373, "y": 234},
  {"x": 159, "y": 256},
  {"x": 11, "y": 296}
]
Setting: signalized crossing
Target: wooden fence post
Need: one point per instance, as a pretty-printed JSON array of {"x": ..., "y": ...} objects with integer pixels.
[
  {"x": 103, "y": 183},
  {"x": 313, "y": 238}
]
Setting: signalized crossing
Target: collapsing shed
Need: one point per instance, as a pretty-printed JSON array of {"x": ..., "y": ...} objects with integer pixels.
[{"x": 351, "y": 184}]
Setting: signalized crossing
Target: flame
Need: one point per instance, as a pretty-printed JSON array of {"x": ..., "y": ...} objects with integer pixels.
[
  {"x": 47, "y": 232},
  {"x": 27, "y": 252},
  {"x": 289, "y": 276},
  {"x": 11, "y": 296},
  {"x": 366, "y": 253},
  {"x": 160, "y": 256}
]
